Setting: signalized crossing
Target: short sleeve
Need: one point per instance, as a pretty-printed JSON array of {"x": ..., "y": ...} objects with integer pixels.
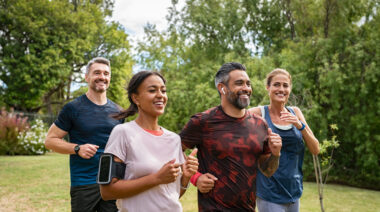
[
  {"x": 117, "y": 144},
  {"x": 191, "y": 134},
  {"x": 64, "y": 118}
]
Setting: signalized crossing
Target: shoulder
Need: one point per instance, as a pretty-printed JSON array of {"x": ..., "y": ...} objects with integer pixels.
[
  {"x": 205, "y": 115},
  {"x": 170, "y": 134},
  {"x": 76, "y": 103},
  {"x": 257, "y": 119},
  {"x": 112, "y": 103},
  {"x": 121, "y": 128},
  {"x": 73, "y": 105},
  {"x": 209, "y": 112},
  {"x": 296, "y": 110},
  {"x": 256, "y": 110}
]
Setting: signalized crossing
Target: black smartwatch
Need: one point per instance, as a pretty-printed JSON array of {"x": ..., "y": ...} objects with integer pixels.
[{"x": 76, "y": 149}]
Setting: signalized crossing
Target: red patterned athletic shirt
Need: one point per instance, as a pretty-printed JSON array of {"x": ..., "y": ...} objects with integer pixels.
[{"x": 229, "y": 149}]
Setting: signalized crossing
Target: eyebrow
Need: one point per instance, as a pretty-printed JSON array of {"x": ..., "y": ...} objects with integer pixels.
[
  {"x": 241, "y": 80},
  {"x": 155, "y": 86}
]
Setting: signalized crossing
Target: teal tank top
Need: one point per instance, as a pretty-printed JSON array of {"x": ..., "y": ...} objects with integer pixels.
[{"x": 285, "y": 185}]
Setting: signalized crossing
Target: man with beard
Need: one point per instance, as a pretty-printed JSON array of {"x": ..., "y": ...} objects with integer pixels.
[
  {"x": 87, "y": 120},
  {"x": 232, "y": 143}
]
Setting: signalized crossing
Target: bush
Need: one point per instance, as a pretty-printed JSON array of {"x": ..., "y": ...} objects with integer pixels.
[
  {"x": 11, "y": 125},
  {"x": 33, "y": 139},
  {"x": 18, "y": 137}
]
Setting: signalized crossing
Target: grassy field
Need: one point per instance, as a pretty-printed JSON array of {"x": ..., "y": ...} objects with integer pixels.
[{"x": 41, "y": 183}]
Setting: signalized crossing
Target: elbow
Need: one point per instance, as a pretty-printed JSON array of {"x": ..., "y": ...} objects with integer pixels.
[
  {"x": 315, "y": 151},
  {"x": 106, "y": 195},
  {"x": 47, "y": 144}
]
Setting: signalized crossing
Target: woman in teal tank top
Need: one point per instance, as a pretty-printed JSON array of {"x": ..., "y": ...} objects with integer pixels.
[{"x": 282, "y": 191}]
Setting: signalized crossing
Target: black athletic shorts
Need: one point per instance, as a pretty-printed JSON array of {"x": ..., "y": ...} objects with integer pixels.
[{"x": 87, "y": 198}]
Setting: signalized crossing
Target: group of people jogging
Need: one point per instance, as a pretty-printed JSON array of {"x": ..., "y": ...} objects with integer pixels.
[{"x": 240, "y": 158}]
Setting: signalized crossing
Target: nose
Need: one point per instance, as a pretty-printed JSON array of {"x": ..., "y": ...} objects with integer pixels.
[
  {"x": 247, "y": 87},
  {"x": 160, "y": 94}
]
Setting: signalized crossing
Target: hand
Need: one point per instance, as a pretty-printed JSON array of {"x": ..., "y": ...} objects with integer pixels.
[
  {"x": 290, "y": 118},
  {"x": 206, "y": 182},
  {"x": 87, "y": 151},
  {"x": 275, "y": 142},
  {"x": 168, "y": 172},
  {"x": 190, "y": 166}
]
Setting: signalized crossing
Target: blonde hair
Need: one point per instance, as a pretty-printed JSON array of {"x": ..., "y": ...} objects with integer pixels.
[{"x": 275, "y": 72}]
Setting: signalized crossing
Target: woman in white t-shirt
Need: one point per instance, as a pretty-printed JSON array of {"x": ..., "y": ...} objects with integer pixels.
[{"x": 157, "y": 172}]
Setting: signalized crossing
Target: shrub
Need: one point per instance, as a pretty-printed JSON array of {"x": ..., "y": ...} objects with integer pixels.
[
  {"x": 11, "y": 125},
  {"x": 33, "y": 139}
]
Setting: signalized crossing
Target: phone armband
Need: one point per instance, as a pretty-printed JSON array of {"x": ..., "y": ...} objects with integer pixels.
[{"x": 109, "y": 169}]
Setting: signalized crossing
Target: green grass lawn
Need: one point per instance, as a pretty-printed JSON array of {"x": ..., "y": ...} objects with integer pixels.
[{"x": 41, "y": 183}]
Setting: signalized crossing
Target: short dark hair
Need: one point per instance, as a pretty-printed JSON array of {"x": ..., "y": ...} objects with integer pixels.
[
  {"x": 132, "y": 88},
  {"x": 222, "y": 74}
]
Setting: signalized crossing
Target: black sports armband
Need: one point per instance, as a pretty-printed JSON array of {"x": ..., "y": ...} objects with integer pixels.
[{"x": 109, "y": 169}]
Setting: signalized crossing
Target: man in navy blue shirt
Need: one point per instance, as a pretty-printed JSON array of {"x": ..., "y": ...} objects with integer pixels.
[{"x": 88, "y": 121}]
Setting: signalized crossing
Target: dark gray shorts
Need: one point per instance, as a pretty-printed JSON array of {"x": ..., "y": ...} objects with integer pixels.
[{"x": 87, "y": 198}]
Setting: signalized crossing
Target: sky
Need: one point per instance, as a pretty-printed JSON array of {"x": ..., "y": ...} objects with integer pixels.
[{"x": 135, "y": 14}]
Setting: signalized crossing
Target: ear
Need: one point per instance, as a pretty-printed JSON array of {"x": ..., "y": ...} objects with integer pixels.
[
  {"x": 135, "y": 99},
  {"x": 86, "y": 77},
  {"x": 220, "y": 86}
]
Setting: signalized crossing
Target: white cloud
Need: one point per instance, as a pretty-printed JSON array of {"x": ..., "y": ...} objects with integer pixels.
[{"x": 135, "y": 14}]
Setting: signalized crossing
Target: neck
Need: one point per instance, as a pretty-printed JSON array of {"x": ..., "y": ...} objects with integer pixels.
[
  {"x": 97, "y": 98},
  {"x": 231, "y": 110},
  {"x": 147, "y": 122},
  {"x": 276, "y": 108}
]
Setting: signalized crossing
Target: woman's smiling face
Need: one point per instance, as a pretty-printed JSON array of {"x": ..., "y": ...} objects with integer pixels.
[
  {"x": 279, "y": 88},
  {"x": 151, "y": 97}
]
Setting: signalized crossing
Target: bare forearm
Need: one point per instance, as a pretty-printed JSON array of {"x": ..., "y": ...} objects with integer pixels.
[
  {"x": 54, "y": 141},
  {"x": 310, "y": 140},
  {"x": 270, "y": 165},
  {"x": 184, "y": 183},
  {"x": 60, "y": 145},
  {"x": 118, "y": 189}
]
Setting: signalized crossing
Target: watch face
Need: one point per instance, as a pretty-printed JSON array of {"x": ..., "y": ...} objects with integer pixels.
[{"x": 76, "y": 149}]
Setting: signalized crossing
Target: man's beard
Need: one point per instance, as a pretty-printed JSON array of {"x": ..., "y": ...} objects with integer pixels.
[
  {"x": 97, "y": 89},
  {"x": 236, "y": 101}
]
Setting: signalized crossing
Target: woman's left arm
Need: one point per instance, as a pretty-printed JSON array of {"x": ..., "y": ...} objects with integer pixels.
[{"x": 308, "y": 135}]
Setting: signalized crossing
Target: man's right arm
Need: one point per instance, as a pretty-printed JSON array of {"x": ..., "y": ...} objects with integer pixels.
[
  {"x": 191, "y": 135},
  {"x": 54, "y": 141}
]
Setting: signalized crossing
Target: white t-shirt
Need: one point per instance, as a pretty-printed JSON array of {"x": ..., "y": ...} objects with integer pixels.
[{"x": 144, "y": 154}]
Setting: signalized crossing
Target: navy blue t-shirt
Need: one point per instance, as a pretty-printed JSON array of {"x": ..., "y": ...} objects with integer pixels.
[{"x": 87, "y": 122}]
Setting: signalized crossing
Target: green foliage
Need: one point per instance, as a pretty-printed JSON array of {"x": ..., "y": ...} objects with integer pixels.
[
  {"x": 11, "y": 125},
  {"x": 330, "y": 48},
  {"x": 44, "y": 45}
]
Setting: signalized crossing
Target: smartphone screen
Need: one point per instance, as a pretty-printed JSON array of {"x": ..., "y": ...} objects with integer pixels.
[{"x": 104, "y": 169}]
